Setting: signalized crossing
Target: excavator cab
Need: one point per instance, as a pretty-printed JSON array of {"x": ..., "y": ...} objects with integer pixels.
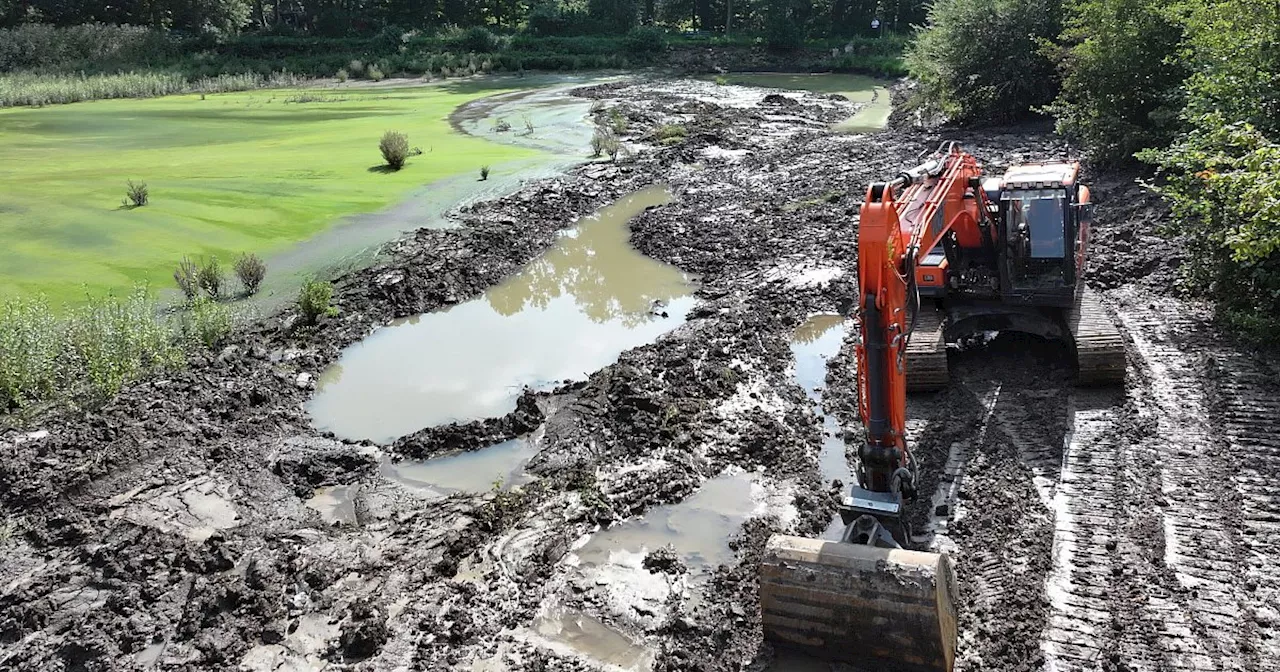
[{"x": 1042, "y": 213}]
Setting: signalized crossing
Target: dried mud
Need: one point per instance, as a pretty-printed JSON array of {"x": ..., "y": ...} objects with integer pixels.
[{"x": 1126, "y": 529}]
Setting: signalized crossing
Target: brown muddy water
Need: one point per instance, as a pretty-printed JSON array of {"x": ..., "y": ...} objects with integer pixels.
[
  {"x": 814, "y": 342},
  {"x": 473, "y": 471},
  {"x": 698, "y": 528},
  {"x": 610, "y": 564},
  {"x": 568, "y": 313}
]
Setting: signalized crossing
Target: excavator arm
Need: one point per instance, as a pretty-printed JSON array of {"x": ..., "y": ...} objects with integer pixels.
[
  {"x": 902, "y": 220},
  {"x": 865, "y": 599}
]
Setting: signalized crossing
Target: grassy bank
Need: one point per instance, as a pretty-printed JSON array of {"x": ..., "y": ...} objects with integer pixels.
[
  {"x": 45, "y": 65},
  {"x": 226, "y": 173}
]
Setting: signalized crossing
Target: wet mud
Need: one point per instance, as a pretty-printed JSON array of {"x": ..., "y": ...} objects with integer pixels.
[{"x": 202, "y": 521}]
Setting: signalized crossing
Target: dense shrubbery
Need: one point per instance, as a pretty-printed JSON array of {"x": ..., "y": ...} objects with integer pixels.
[
  {"x": 40, "y": 45},
  {"x": 1120, "y": 76},
  {"x": 984, "y": 61},
  {"x": 53, "y": 89},
  {"x": 94, "y": 351},
  {"x": 1222, "y": 175}
]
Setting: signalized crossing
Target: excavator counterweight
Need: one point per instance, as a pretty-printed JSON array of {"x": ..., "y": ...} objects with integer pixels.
[{"x": 943, "y": 252}]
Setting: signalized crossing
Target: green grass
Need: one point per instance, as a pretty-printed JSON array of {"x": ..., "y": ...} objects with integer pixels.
[{"x": 232, "y": 173}]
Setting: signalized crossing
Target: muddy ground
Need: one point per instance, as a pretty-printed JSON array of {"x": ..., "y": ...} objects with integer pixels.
[{"x": 1128, "y": 529}]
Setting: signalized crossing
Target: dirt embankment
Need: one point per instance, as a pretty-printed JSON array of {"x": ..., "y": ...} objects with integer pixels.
[{"x": 168, "y": 529}]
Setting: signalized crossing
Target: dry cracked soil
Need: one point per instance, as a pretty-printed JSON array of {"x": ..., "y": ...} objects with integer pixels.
[{"x": 1126, "y": 529}]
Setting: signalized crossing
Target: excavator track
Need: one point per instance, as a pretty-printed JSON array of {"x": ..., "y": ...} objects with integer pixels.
[
  {"x": 1099, "y": 346},
  {"x": 927, "y": 353}
]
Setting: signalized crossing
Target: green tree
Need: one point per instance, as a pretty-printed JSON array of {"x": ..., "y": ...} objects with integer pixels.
[
  {"x": 1222, "y": 176},
  {"x": 985, "y": 61},
  {"x": 1121, "y": 77}
]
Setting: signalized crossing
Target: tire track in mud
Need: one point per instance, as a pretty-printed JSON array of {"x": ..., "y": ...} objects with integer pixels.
[
  {"x": 1247, "y": 410},
  {"x": 1193, "y": 591},
  {"x": 1088, "y": 515}
]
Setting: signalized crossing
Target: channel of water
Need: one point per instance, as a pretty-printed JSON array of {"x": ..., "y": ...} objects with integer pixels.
[
  {"x": 570, "y": 312},
  {"x": 814, "y": 342}
]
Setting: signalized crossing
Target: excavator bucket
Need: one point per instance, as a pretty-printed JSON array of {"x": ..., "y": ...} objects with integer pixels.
[{"x": 874, "y": 608}]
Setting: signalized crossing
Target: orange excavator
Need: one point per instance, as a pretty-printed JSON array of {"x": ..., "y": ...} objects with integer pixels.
[{"x": 943, "y": 253}]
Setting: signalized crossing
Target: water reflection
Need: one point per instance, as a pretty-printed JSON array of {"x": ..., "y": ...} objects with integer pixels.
[{"x": 566, "y": 314}]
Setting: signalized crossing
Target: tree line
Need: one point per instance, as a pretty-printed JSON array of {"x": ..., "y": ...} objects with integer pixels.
[
  {"x": 1189, "y": 89},
  {"x": 342, "y": 18}
]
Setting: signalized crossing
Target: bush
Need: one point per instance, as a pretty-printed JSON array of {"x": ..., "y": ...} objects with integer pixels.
[
  {"x": 475, "y": 39},
  {"x": 342, "y": 75},
  {"x": 643, "y": 40},
  {"x": 395, "y": 149},
  {"x": 671, "y": 133},
  {"x": 984, "y": 61},
  {"x": 313, "y": 300},
  {"x": 137, "y": 194},
  {"x": 1224, "y": 189},
  {"x": 205, "y": 322},
  {"x": 114, "y": 342},
  {"x": 251, "y": 270},
  {"x": 1121, "y": 82},
  {"x": 30, "y": 343},
  {"x": 484, "y": 173},
  {"x": 210, "y": 277},
  {"x": 356, "y": 68},
  {"x": 375, "y": 74},
  {"x": 187, "y": 276}
]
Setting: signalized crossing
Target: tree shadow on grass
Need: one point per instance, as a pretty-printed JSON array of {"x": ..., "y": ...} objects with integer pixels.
[
  {"x": 383, "y": 168},
  {"x": 127, "y": 206}
]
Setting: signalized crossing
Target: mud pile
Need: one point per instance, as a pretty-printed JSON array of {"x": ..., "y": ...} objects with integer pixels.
[{"x": 170, "y": 528}]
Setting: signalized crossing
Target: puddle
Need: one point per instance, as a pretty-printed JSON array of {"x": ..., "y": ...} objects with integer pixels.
[
  {"x": 473, "y": 471},
  {"x": 698, "y": 528},
  {"x": 568, "y": 313},
  {"x": 549, "y": 119},
  {"x": 335, "y": 504},
  {"x": 868, "y": 91},
  {"x": 578, "y": 633},
  {"x": 812, "y": 344}
]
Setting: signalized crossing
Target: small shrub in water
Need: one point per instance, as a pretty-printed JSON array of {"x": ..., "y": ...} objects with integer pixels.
[
  {"x": 137, "y": 194},
  {"x": 210, "y": 277},
  {"x": 528, "y": 125},
  {"x": 500, "y": 125},
  {"x": 206, "y": 322},
  {"x": 313, "y": 300},
  {"x": 394, "y": 148},
  {"x": 251, "y": 270},
  {"x": 187, "y": 276},
  {"x": 484, "y": 172},
  {"x": 721, "y": 80}
]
